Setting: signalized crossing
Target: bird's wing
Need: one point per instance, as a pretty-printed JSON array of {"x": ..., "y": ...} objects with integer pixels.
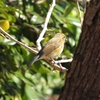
[{"x": 48, "y": 49}]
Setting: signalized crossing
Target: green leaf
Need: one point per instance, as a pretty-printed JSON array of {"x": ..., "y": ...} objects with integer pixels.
[
  {"x": 31, "y": 92},
  {"x": 36, "y": 19},
  {"x": 3, "y": 0},
  {"x": 72, "y": 41}
]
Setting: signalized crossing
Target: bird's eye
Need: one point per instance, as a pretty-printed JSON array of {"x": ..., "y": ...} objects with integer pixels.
[{"x": 64, "y": 37}]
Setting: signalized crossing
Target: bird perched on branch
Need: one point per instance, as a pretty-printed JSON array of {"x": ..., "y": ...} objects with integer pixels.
[{"x": 52, "y": 49}]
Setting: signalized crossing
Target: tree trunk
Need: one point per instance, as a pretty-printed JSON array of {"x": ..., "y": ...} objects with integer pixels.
[{"x": 83, "y": 78}]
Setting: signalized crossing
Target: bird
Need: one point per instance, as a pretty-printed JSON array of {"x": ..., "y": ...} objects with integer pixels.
[{"x": 52, "y": 49}]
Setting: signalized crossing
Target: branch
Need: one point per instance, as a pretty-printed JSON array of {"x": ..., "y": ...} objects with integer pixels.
[
  {"x": 45, "y": 25},
  {"x": 54, "y": 65},
  {"x": 84, "y": 5},
  {"x": 80, "y": 17},
  {"x": 7, "y": 36},
  {"x": 57, "y": 67},
  {"x": 64, "y": 61}
]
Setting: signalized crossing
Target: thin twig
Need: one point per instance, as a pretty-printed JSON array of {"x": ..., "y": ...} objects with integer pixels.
[
  {"x": 80, "y": 17},
  {"x": 57, "y": 67},
  {"x": 7, "y": 36},
  {"x": 64, "y": 61},
  {"x": 84, "y": 5},
  {"x": 45, "y": 25},
  {"x": 54, "y": 65}
]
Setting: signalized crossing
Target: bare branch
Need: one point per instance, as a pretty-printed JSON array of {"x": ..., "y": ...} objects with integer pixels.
[
  {"x": 54, "y": 65},
  {"x": 80, "y": 17},
  {"x": 7, "y": 36},
  {"x": 84, "y": 5},
  {"x": 45, "y": 25},
  {"x": 64, "y": 61},
  {"x": 57, "y": 67}
]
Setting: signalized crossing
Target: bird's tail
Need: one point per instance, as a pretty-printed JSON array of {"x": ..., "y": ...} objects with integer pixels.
[{"x": 35, "y": 59}]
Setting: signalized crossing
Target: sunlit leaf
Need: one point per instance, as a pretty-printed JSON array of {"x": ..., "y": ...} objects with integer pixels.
[
  {"x": 31, "y": 92},
  {"x": 37, "y": 19}
]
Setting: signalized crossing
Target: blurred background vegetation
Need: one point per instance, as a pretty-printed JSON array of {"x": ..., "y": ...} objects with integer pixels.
[{"x": 24, "y": 19}]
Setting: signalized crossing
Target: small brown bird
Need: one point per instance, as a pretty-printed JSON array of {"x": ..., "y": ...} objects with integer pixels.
[{"x": 52, "y": 49}]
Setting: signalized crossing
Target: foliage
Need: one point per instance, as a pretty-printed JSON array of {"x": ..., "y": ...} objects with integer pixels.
[{"x": 26, "y": 18}]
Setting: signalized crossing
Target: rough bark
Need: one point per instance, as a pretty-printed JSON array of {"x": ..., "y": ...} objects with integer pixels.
[{"x": 83, "y": 78}]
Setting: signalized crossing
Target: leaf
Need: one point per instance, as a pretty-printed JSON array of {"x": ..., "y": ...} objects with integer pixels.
[
  {"x": 31, "y": 92},
  {"x": 72, "y": 41},
  {"x": 37, "y": 19}
]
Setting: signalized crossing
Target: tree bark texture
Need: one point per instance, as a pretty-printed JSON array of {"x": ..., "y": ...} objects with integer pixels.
[{"x": 83, "y": 78}]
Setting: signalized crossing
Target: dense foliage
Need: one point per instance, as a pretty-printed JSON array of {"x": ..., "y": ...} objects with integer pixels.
[{"x": 24, "y": 21}]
